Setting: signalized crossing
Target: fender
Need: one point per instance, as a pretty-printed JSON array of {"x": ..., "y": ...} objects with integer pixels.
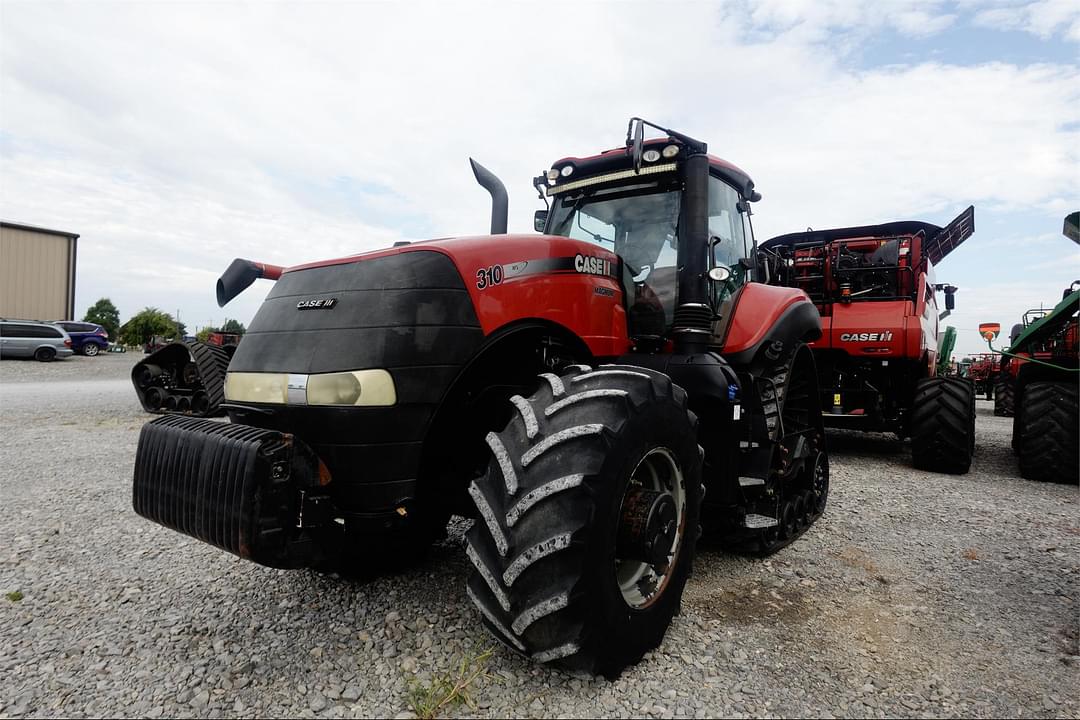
[{"x": 767, "y": 313}]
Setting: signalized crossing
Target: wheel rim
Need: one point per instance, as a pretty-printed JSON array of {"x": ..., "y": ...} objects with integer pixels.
[
  {"x": 642, "y": 582},
  {"x": 91, "y": 350}
]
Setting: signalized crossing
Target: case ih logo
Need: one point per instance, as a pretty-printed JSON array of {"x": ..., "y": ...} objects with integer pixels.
[
  {"x": 592, "y": 265},
  {"x": 324, "y": 304},
  {"x": 885, "y": 336}
]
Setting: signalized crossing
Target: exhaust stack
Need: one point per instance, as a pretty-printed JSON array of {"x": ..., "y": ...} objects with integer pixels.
[
  {"x": 499, "y": 201},
  {"x": 239, "y": 276}
]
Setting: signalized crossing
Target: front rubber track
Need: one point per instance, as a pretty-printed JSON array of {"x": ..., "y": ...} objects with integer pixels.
[
  {"x": 543, "y": 545},
  {"x": 943, "y": 425},
  {"x": 1048, "y": 431}
]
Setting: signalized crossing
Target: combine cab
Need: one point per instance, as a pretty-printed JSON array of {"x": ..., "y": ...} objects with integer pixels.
[
  {"x": 877, "y": 359},
  {"x": 590, "y": 395}
]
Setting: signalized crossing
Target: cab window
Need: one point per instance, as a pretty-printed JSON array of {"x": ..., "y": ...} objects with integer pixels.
[{"x": 727, "y": 236}]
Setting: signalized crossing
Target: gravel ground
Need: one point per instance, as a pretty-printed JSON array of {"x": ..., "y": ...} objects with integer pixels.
[{"x": 916, "y": 595}]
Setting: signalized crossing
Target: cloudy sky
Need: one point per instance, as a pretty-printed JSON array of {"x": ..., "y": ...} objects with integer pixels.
[{"x": 177, "y": 136}]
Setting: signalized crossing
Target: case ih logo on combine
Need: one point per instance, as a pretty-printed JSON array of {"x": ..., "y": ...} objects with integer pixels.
[
  {"x": 592, "y": 265},
  {"x": 885, "y": 336}
]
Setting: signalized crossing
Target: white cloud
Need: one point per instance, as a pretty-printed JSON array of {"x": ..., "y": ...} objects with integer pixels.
[
  {"x": 1044, "y": 18},
  {"x": 175, "y": 137}
]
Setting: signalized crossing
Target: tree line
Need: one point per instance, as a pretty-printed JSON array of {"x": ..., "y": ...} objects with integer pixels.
[{"x": 148, "y": 322}]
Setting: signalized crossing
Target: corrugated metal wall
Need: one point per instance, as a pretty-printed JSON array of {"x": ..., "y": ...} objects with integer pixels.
[{"x": 36, "y": 270}]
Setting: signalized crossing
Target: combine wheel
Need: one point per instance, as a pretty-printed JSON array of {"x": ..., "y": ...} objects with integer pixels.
[
  {"x": 1048, "y": 428},
  {"x": 588, "y": 518},
  {"x": 943, "y": 425},
  {"x": 1003, "y": 395}
]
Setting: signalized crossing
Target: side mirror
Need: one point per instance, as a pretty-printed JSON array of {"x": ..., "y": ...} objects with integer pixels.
[
  {"x": 540, "y": 220},
  {"x": 950, "y": 300},
  {"x": 639, "y": 144}
]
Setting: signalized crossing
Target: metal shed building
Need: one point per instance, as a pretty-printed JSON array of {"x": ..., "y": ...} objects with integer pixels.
[{"x": 37, "y": 272}]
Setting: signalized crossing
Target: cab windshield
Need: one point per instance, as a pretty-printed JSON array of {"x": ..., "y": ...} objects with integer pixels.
[{"x": 640, "y": 224}]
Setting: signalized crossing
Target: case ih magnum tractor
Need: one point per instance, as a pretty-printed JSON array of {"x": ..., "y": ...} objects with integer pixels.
[
  {"x": 590, "y": 395},
  {"x": 876, "y": 360}
]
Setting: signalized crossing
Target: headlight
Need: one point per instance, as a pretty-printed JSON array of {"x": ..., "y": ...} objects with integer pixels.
[
  {"x": 567, "y": 170},
  {"x": 650, "y": 155},
  {"x": 552, "y": 175},
  {"x": 358, "y": 388},
  {"x": 256, "y": 387},
  {"x": 365, "y": 388},
  {"x": 671, "y": 151}
]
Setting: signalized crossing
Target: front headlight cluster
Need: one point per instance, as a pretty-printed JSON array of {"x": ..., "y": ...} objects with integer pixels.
[{"x": 356, "y": 388}]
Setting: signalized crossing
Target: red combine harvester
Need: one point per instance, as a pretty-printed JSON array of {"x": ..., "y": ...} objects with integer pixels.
[
  {"x": 983, "y": 372},
  {"x": 223, "y": 339},
  {"x": 876, "y": 360},
  {"x": 577, "y": 392}
]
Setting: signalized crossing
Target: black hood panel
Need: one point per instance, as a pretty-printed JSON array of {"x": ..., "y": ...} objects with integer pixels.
[{"x": 406, "y": 310}]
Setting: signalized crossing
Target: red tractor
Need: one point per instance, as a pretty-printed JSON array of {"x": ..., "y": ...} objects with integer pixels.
[
  {"x": 590, "y": 395},
  {"x": 877, "y": 357}
]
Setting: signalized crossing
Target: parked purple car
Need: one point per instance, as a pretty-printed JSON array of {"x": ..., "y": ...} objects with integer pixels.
[{"x": 86, "y": 338}]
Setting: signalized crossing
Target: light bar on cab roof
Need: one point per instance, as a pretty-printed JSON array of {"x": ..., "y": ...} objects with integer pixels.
[{"x": 610, "y": 177}]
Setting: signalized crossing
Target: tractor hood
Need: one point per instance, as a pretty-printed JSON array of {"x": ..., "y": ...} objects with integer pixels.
[{"x": 398, "y": 310}]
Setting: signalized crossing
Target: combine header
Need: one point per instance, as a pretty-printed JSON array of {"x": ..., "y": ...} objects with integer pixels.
[{"x": 877, "y": 358}]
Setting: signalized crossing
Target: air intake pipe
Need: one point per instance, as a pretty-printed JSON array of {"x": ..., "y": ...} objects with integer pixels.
[
  {"x": 500, "y": 205},
  {"x": 239, "y": 276}
]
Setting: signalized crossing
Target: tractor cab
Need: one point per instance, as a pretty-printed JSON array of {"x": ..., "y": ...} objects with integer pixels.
[{"x": 664, "y": 206}]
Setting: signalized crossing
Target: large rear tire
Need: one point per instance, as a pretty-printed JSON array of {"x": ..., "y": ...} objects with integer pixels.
[
  {"x": 943, "y": 425},
  {"x": 588, "y": 518},
  {"x": 1048, "y": 429}
]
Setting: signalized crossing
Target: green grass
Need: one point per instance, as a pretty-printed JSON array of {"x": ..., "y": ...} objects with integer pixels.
[
  {"x": 14, "y": 596},
  {"x": 451, "y": 688}
]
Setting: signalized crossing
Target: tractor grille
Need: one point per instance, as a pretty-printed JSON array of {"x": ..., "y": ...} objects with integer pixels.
[{"x": 225, "y": 484}]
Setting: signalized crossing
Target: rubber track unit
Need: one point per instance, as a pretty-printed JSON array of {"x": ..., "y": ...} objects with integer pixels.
[
  {"x": 943, "y": 425},
  {"x": 213, "y": 362},
  {"x": 1004, "y": 394},
  {"x": 543, "y": 544},
  {"x": 1048, "y": 430},
  {"x": 796, "y": 502}
]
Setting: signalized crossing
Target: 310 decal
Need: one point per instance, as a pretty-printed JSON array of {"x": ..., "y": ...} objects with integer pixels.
[{"x": 486, "y": 277}]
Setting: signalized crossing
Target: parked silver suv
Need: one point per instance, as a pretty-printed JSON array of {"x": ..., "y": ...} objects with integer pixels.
[{"x": 29, "y": 338}]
